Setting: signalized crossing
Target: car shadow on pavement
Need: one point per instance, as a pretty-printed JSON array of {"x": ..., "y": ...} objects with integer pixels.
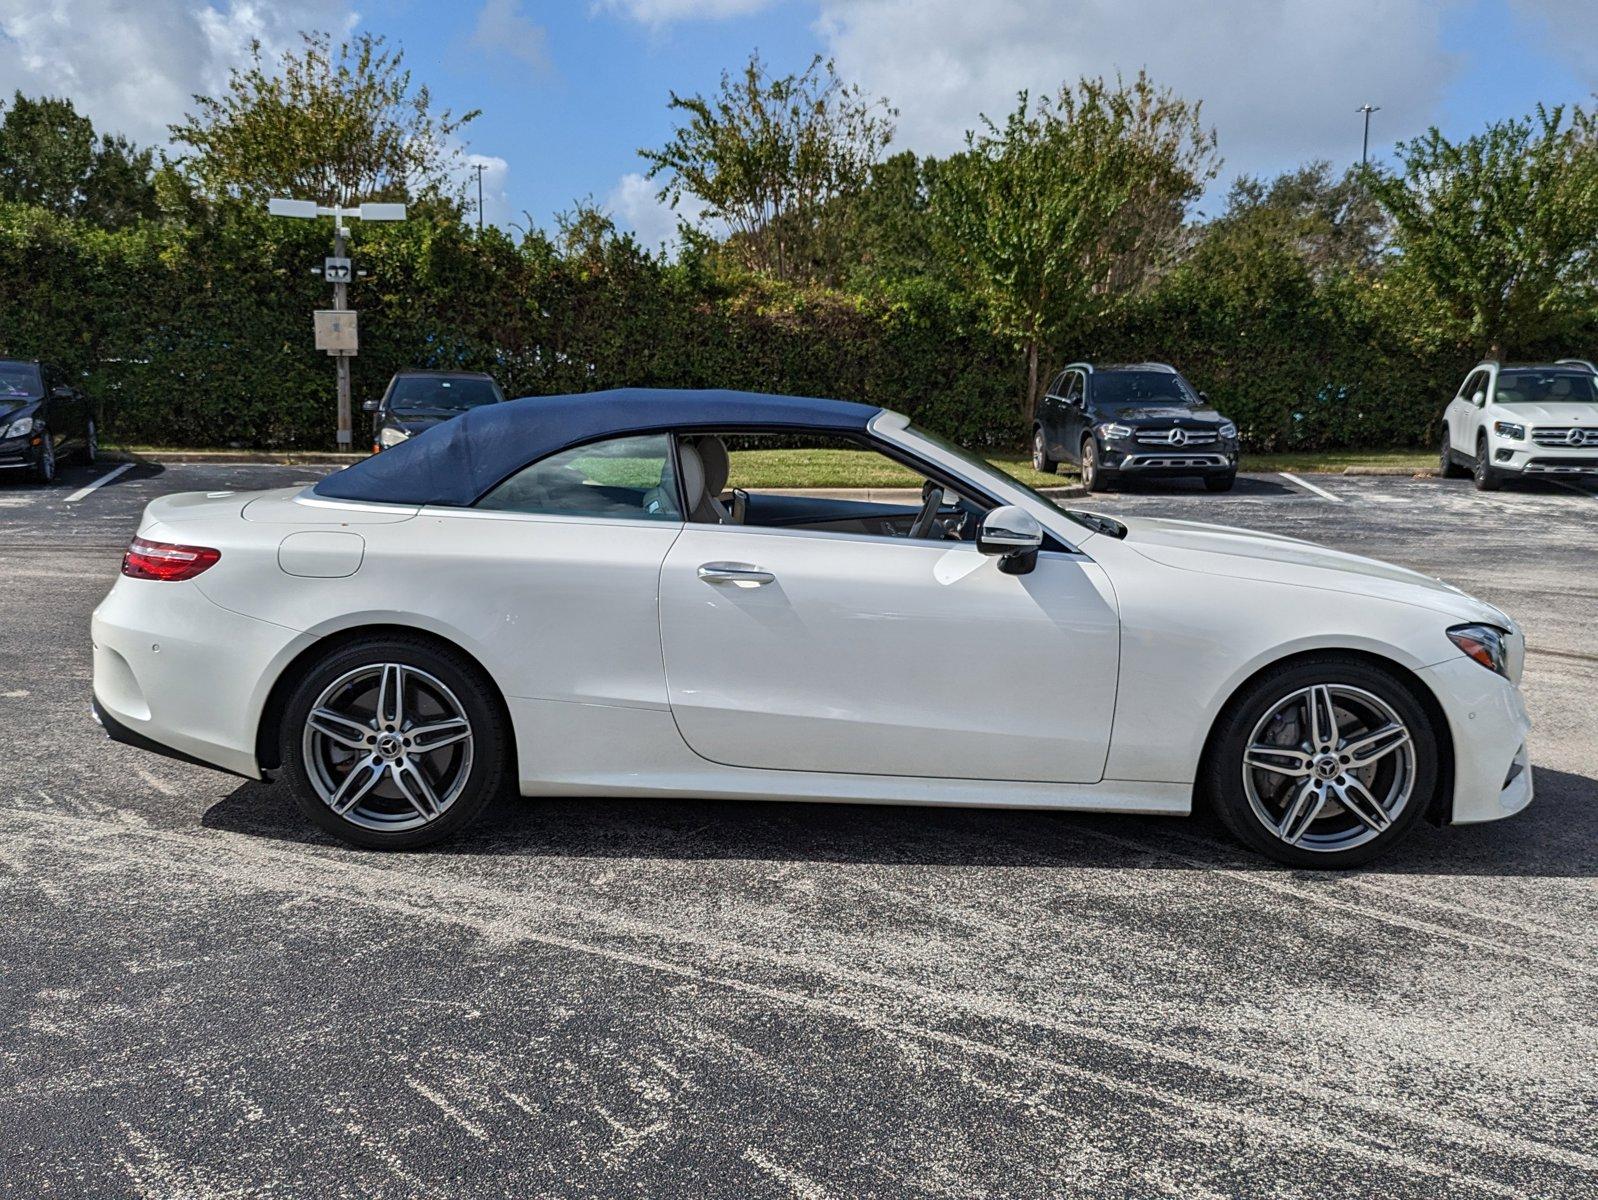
[
  {"x": 1556, "y": 837},
  {"x": 1256, "y": 486}
]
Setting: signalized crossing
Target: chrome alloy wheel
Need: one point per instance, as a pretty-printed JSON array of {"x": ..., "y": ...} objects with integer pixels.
[
  {"x": 387, "y": 747},
  {"x": 1329, "y": 767}
]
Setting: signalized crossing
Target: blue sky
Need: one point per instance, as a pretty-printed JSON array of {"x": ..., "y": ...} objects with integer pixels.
[{"x": 570, "y": 89}]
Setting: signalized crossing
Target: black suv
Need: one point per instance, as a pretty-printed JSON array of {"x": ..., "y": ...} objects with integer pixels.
[
  {"x": 418, "y": 400},
  {"x": 43, "y": 417},
  {"x": 1124, "y": 419}
]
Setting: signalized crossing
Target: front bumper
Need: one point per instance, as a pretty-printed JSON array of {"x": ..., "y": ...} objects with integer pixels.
[
  {"x": 1128, "y": 457},
  {"x": 18, "y": 452},
  {"x": 1529, "y": 459},
  {"x": 1488, "y": 723}
]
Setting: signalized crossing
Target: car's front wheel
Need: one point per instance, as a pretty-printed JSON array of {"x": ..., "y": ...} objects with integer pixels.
[
  {"x": 1326, "y": 762},
  {"x": 393, "y": 742},
  {"x": 44, "y": 469},
  {"x": 1093, "y": 477},
  {"x": 1487, "y": 479}
]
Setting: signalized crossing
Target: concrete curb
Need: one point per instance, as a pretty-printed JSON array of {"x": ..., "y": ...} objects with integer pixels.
[{"x": 1404, "y": 472}]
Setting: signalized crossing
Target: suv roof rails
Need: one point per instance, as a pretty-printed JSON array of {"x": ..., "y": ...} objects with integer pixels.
[{"x": 1576, "y": 362}]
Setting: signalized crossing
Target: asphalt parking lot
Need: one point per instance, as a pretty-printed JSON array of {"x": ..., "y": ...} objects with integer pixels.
[{"x": 202, "y": 998}]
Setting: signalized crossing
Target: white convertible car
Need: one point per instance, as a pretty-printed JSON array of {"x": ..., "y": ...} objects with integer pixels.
[{"x": 564, "y": 594}]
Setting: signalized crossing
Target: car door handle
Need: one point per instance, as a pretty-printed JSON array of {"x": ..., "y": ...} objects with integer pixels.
[{"x": 732, "y": 574}]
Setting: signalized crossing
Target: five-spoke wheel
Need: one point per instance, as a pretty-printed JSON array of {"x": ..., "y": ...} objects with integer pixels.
[
  {"x": 1322, "y": 762},
  {"x": 392, "y": 742}
]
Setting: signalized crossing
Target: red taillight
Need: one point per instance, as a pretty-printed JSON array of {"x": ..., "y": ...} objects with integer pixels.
[{"x": 164, "y": 560}]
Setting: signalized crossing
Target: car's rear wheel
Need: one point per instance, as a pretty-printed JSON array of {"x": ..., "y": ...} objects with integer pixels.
[
  {"x": 1326, "y": 762},
  {"x": 1486, "y": 477},
  {"x": 1220, "y": 483},
  {"x": 1446, "y": 466},
  {"x": 393, "y": 742},
  {"x": 1040, "y": 453}
]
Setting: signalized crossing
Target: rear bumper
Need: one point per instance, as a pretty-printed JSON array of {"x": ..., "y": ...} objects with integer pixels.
[
  {"x": 1488, "y": 724},
  {"x": 177, "y": 675}
]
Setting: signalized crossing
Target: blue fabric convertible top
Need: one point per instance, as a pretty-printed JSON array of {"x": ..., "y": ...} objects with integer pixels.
[{"x": 456, "y": 462}]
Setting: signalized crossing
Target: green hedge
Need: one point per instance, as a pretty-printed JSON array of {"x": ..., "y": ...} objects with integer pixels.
[{"x": 201, "y": 334}]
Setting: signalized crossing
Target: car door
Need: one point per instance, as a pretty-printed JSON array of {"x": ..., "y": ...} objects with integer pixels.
[
  {"x": 804, "y": 650},
  {"x": 1462, "y": 414},
  {"x": 1073, "y": 420}
]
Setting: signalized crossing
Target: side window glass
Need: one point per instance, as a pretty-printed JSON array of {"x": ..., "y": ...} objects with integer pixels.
[
  {"x": 624, "y": 479},
  {"x": 1073, "y": 388},
  {"x": 1056, "y": 387}
]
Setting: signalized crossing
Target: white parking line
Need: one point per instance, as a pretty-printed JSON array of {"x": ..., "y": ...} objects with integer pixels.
[
  {"x": 100, "y": 482},
  {"x": 1310, "y": 487}
]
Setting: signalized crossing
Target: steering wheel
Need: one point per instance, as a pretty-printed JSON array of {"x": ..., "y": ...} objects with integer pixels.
[{"x": 931, "y": 502}]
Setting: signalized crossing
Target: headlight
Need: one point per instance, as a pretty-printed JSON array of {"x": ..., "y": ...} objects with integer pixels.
[
  {"x": 21, "y": 427},
  {"x": 1508, "y": 429},
  {"x": 391, "y": 437},
  {"x": 1484, "y": 644},
  {"x": 1228, "y": 431},
  {"x": 1112, "y": 432}
]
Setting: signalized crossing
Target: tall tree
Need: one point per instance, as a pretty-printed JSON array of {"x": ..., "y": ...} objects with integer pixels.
[
  {"x": 1500, "y": 231},
  {"x": 768, "y": 156},
  {"x": 1071, "y": 203},
  {"x": 335, "y": 125},
  {"x": 50, "y": 157}
]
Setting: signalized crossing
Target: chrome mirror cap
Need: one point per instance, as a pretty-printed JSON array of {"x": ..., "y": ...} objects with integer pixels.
[{"x": 1008, "y": 530}]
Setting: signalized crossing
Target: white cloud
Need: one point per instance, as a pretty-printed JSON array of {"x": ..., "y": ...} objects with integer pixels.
[
  {"x": 1280, "y": 79},
  {"x": 503, "y": 30},
  {"x": 134, "y": 68},
  {"x": 633, "y": 204},
  {"x": 662, "y": 12},
  {"x": 1567, "y": 30}
]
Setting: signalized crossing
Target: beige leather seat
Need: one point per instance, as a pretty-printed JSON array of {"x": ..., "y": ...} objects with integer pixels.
[{"x": 705, "y": 466}]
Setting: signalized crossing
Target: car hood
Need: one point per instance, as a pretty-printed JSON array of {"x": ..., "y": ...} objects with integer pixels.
[
  {"x": 1136, "y": 414},
  {"x": 414, "y": 423},
  {"x": 1567, "y": 412},
  {"x": 1246, "y": 554}
]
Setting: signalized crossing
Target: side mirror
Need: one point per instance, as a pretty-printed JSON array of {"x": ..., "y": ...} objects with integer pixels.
[
  {"x": 371, "y": 406},
  {"x": 61, "y": 393},
  {"x": 1479, "y": 399},
  {"x": 1205, "y": 397},
  {"x": 1014, "y": 535}
]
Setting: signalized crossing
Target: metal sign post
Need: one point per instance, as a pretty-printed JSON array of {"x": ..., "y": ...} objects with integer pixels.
[{"x": 337, "y": 328}]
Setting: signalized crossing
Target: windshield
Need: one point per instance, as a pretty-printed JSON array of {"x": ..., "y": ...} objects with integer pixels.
[
  {"x": 442, "y": 393},
  {"x": 1520, "y": 386},
  {"x": 20, "y": 381},
  {"x": 1116, "y": 389},
  {"x": 984, "y": 471}
]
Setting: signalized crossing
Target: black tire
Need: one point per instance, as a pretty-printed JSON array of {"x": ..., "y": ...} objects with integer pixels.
[
  {"x": 90, "y": 454},
  {"x": 1041, "y": 461},
  {"x": 1446, "y": 466},
  {"x": 1220, "y": 483},
  {"x": 1221, "y": 779},
  {"x": 1486, "y": 477},
  {"x": 44, "y": 470},
  {"x": 1094, "y": 478},
  {"x": 489, "y": 746}
]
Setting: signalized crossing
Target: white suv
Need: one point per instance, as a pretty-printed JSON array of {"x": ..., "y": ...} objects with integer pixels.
[{"x": 1522, "y": 420}]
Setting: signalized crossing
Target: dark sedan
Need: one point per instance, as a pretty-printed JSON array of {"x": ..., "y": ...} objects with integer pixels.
[
  {"x": 43, "y": 418},
  {"x": 1138, "y": 419},
  {"x": 417, "y": 400}
]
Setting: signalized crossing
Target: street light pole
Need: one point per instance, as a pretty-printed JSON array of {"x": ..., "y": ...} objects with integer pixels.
[
  {"x": 478, "y": 167},
  {"x": 1365, "y": 147},
  {"x": 338, "y": 272}
]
